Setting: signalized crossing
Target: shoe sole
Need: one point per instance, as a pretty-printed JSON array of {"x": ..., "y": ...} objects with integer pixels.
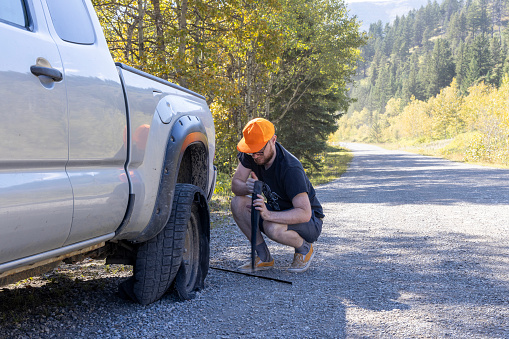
[{"x": 303, "y": 269}]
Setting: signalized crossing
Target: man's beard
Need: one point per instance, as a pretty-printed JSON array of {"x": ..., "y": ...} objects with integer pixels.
[{"x": 261, "y": 161}]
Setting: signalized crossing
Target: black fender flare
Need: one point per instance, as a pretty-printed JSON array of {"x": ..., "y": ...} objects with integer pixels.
[{"x": 186, "y": 131}]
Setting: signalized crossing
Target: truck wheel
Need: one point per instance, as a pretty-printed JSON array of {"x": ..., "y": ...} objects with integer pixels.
[
  {"x": 159, "y": 259},
  {"x": 195, "y": 259}
]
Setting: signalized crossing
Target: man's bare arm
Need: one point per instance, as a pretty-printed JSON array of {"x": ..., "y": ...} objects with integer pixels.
[
  {"x": 301, "y": 211},
  {"x": 243, "y": 181}
]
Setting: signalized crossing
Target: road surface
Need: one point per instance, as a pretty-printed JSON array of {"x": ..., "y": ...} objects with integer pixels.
[{"x": 412, "y": 247}]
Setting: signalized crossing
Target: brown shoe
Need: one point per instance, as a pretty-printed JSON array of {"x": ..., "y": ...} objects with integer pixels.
[
  {"x": 259, "y": 266},
  {"x": 302, "y": 262}
]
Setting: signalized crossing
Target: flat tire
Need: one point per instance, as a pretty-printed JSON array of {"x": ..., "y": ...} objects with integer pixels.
[{"x": 181, "y": 248}]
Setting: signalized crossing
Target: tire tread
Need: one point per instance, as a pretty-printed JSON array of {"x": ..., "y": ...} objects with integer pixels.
[{"x": 158, "y": 260}]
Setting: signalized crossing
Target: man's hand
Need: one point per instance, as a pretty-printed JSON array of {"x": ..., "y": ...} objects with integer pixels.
[
  {"x": 301, "y": 211},
  {"x": 259, "y": 205},
  {"x": 243, "y": 181},
  {"x": 250, "y": 182}
]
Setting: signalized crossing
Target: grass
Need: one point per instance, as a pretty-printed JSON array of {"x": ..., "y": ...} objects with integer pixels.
[
  {"x": 454, "y": 149},
  {"x": 220, "y": 202},
  {"x": 335, "y": 160}
]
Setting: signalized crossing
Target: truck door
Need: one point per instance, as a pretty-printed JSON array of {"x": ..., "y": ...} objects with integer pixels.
[
  {"x": 36, "y": 199},
  {"x": 97, "y": 120}
]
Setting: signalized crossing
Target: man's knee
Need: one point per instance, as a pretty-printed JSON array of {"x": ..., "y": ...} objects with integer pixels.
[
  {"x": 272, "y": 230},
  {"x": 238, "y": 204}
]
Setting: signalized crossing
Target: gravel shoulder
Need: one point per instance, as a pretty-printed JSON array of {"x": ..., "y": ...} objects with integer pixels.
[{"x": 412, "y": 247}]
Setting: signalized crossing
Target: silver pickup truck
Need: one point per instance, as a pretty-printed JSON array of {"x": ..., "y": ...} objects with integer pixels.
[{"x": 98, "y": 159}]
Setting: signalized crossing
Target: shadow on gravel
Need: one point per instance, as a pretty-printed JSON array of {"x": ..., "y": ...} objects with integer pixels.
[
  {"x": 398, "y": 179},
  {"x": 65, "y": 307},
  {"x": 403, "y": 271},
  {"x": 60, "y": 296}
]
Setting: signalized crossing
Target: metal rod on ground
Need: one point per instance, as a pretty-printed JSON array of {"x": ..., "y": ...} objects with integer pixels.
[
  {"x": 252, "y": 275},
  {"x": 255, "y": 217}
]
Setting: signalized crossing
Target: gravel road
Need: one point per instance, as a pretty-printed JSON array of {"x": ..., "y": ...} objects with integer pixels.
[{"x": 412, "y": 247}]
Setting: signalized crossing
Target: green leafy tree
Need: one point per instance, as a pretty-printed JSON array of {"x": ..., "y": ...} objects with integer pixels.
[
  {"x": 445, "y": 111},
  {"x": 249, "y": 58},
  {"x": 309, "y": 92}
]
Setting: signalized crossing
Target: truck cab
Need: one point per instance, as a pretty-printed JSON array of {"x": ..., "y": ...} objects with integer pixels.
[{"x": 92, "y": 153}]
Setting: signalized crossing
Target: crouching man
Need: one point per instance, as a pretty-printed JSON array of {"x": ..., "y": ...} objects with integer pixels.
[{"x": 292, "y": 215}]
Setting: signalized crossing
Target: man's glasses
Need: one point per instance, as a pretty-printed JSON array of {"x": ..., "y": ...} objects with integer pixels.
[{"x": 260, "y": 152}]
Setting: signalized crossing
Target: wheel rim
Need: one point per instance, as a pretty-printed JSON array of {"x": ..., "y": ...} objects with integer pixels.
[{"x": 191, "y": 254}]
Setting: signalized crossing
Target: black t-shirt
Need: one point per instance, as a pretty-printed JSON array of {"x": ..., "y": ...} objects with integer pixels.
[{"x": 283, "y": 180}]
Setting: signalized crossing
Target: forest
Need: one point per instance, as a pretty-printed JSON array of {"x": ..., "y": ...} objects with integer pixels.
[
  {"x": 285, "y": 60},
  {"x": 436, "y": 76}
]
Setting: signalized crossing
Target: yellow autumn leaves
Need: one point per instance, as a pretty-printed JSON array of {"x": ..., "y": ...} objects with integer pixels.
[
  {"x": 248, "y": 58},
  {"x": 475, "y": 125}
]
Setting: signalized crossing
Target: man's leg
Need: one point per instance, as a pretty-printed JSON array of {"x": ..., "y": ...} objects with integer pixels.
[
  {"x": 241, "y": 212},
  {"x": 280, "y": 233},
  {"x": 304, "y": 252}
]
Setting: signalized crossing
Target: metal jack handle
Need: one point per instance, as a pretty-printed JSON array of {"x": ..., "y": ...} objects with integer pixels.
[{"x": 255, "y": 218}]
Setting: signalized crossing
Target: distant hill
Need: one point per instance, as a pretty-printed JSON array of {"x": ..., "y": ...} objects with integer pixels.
[
  {"x": 386, "y": 11},
  {"x": 420, "y": 52}
]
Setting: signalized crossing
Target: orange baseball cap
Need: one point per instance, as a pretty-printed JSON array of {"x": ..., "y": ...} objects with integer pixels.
[{"x": 256, "y": 134}]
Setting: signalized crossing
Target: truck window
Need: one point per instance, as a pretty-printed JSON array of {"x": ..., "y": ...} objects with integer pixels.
[
  {"x": 13, "y": 12},
  {"x": 71, "y": 21}
]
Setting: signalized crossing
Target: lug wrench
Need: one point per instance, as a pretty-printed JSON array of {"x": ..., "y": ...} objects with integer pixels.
[{"x": 251, "y": 275}]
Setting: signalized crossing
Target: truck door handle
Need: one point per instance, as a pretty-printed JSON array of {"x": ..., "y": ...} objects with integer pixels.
[{"x": 54, "y": 74}]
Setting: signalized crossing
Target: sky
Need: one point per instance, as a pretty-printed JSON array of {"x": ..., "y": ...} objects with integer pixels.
[{"x": 369, "y": 11}]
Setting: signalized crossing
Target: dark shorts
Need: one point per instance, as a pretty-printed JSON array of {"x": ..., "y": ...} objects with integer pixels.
[{"x": 309, "y": 231}]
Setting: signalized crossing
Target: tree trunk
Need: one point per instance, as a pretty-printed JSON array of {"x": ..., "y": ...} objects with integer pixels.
[
  {"x": 141, "y": 46},
  {"x": 161, "y": 51},
  {"x": 182, "y": 42}
]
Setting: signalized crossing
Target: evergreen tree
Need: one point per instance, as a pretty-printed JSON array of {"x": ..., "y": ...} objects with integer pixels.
[
  {"x": 419, "y": 28},
  {"x": 461, "y": 68},
  {"x": 426, "y": 39},
  {"x": 498, "y": 11},
  {"x": 449, "y": 8},
  {"x": 497, "y": 62},
  {"x": 419, "y": 53},
  {"x": 506, "y": 65},
  {"x": 314, "y": 116},
  {"x": 412, "y": 87},
  {"x": 435, "y": 14},
  {"x": 480, "y": 60},
  {"x": 485, "y": 24},
  {"x": 457, "y": 30},
  {"x": 382, "y": 89},
  {"x": 478, "y": 20},
  {"x": 439, "y": 68}
]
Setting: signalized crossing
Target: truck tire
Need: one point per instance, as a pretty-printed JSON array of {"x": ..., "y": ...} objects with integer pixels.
[
  {"x": 159, "y": 259},
  {"x": 195, "y": 259}
]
